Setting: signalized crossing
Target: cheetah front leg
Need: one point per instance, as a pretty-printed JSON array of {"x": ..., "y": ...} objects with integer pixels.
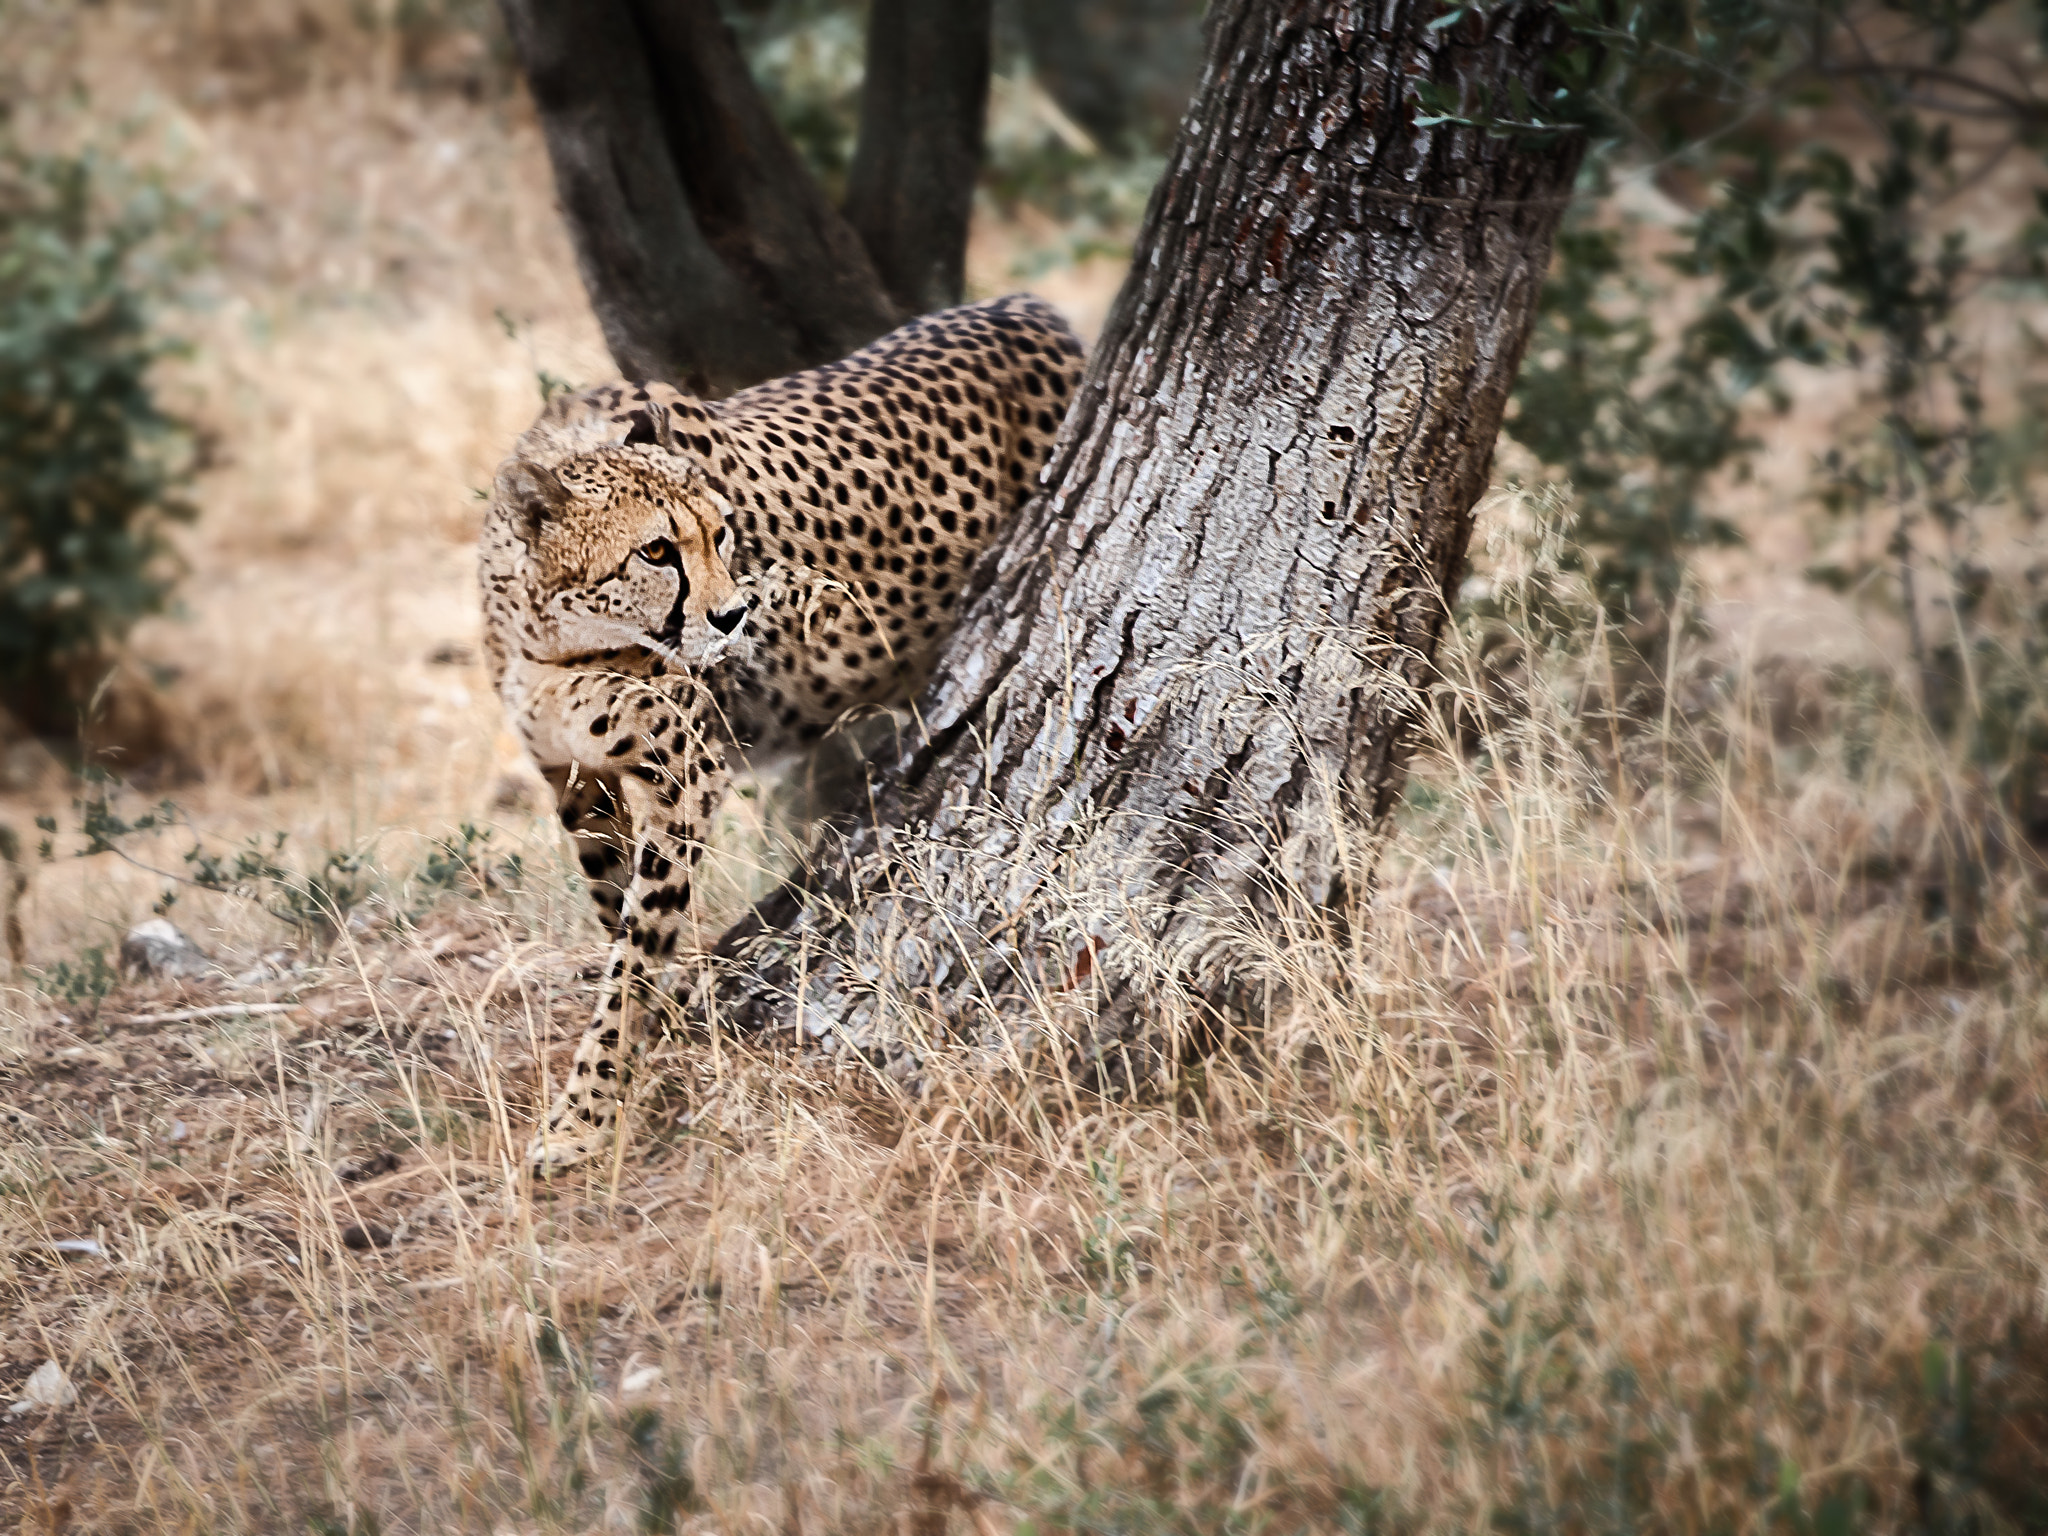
[
  {"x": 671, "y": 775},
  {"x": 595, "y": 819}
]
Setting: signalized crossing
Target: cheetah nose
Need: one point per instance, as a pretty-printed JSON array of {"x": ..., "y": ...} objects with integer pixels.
[{"x": 725, "y": 623}]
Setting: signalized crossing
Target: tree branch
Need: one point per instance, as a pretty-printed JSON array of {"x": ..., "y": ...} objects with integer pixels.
[
  {"x": 670, "y": 308},
  {"x": 911, "y": 187},
  {"x": 756, "y": 202}
]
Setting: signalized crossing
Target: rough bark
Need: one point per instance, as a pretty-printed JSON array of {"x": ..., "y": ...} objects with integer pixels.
[
  {"x": 1187, "y": 675},
  {"x": 923, "y": 101},
  {"x": 712, "y": 257}
]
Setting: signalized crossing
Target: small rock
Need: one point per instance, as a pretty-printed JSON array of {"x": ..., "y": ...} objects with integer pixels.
[
  {"x": 363, "y": 1236},
  {"x": 47, "y": 1387},
  {"x": 161, "y": 948},
  {"x": 451, "y": 653},
  {"x": 640, "y": 1380},
  {"x": 277, "y": 965}
]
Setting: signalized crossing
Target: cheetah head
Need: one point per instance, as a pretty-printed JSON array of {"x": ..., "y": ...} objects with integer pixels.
[{"x": 624, "y": 549}]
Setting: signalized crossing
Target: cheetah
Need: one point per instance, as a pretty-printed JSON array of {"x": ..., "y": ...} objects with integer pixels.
[{"x": 669, "y": 582}]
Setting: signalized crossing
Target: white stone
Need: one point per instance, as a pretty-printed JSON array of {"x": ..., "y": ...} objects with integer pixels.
[
  {"x": 160, "y": 947},
  {"x": 47, "y": 1387}
]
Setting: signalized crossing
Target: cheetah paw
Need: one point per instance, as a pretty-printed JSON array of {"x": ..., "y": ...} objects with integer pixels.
[{"x": 558, "y": 1150}]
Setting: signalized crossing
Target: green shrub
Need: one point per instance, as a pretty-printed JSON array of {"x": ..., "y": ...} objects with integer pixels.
[
  {"x": 88, "y": 981},
  {"x": 315, "y": 900},
  {"x": 91, "y": 466},
  {"x": 1639, "y": 432},
  {"x": 1814, "y": 183}
]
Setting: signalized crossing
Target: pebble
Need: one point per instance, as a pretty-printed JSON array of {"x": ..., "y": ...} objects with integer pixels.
[{"x": 160, "y": 947}]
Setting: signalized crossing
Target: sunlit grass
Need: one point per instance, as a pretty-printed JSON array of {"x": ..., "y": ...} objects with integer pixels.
[{"x": 1639, "y": 1140}]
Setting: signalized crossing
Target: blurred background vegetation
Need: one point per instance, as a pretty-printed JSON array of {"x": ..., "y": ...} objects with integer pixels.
[
  {"x": 1777, "y": 189},
  {"x": 92, "y": 468}
]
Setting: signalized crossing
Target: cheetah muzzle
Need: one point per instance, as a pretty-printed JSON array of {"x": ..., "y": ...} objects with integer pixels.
[{"x": 668, "y": 582}]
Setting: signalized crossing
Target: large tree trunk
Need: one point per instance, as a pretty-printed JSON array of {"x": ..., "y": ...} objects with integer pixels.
[
  {"x": 1187, "y": 675},
  {"x": 712, "y": 257}
]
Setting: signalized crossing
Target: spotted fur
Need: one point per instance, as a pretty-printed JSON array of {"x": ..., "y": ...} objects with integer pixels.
[{"x": 837, "y": 510}]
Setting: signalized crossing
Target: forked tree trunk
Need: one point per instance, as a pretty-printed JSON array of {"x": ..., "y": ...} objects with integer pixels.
[
  {"x": 923, "y": 102},
  {"x": 1189, "y": 672},
  {"x": 712, "y": 257}
]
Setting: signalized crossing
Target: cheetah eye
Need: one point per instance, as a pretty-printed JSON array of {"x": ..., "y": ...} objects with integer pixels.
[{"x": 659, "y": 552}]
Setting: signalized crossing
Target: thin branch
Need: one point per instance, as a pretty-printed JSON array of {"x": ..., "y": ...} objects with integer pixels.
[
  {"x": 217, "y": 1011},
  {"x": 671, "y": 309},
  {"x": 922, "y": 103},
  {"x": 2006, "y": 103},
  {"x": 758, "y": 204}
]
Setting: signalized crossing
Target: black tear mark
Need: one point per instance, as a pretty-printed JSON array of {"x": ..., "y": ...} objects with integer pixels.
[{"x": 673, "y": 629}]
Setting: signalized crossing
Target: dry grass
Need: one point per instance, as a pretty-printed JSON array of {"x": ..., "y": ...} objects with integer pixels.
[
  {"x": 1643, "y": 1155},
  {"x": 1646, "y": 1113}
]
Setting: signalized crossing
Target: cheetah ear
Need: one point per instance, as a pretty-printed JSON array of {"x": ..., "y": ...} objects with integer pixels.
[
  {"x": 663, "y": 428},
  {"x": 651, "y": 424},
  {"x": 533, "y": 493}
]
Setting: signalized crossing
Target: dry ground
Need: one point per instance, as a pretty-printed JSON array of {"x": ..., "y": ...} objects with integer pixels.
[{"x": 1647, "y": 1153}]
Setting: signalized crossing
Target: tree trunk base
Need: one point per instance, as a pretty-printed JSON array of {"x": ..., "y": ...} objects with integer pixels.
[{"x": 1186, "y": 677}]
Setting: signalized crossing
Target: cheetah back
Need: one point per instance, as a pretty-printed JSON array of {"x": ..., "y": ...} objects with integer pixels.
[{"x": 863, "y": 492}]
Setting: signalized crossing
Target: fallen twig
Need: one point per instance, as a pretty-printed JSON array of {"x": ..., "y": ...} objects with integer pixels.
[{"x": 218, "y": 1011}]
